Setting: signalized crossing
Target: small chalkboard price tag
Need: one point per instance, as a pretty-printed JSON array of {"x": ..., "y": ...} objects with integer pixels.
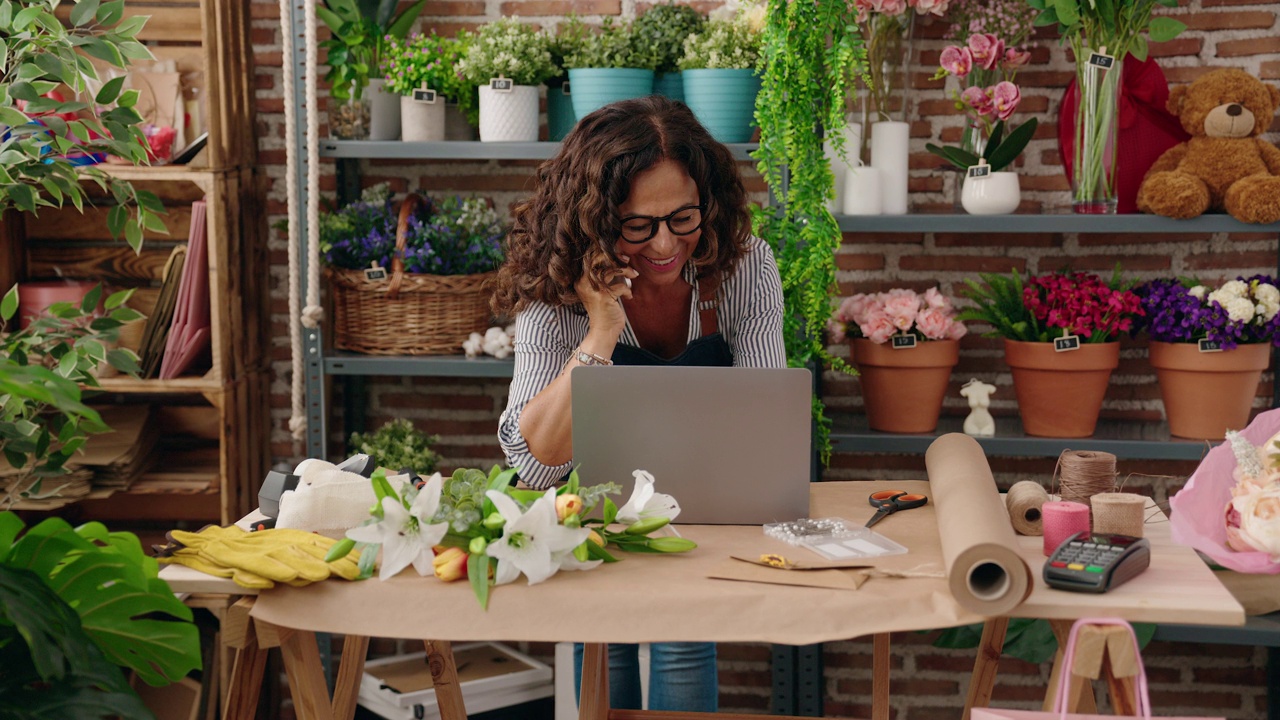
[
  {"x": 1066, "y": 343},
  {"x": 1207, "y": 346},
  {"x": 902, "y": 342},
  {"x": 1101, "y": 60},
  {"x": 565, "y": 87},
  {"x": 980, "y": 172},
  {"x": 426, "y": 96},
  {"x": 501, "y": 85},
  {"x": 375, "y": 272}
]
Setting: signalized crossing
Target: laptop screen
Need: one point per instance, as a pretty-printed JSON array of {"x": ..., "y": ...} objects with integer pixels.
[{"x": 732, "y": 445}]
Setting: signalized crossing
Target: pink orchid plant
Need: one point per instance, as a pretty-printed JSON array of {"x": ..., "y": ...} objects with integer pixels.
[
  {"x": 879, "y": 316},
  {"x": 986, "y": 68}
]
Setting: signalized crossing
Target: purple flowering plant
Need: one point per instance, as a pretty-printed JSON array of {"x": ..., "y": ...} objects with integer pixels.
[
  {"x": 1182, "y": 310},
  {"x": 450, "y": 236},
  {"x": 430, "y": 61}
]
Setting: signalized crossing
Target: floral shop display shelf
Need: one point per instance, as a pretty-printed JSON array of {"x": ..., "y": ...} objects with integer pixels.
[{"x": 400, "y": 310}]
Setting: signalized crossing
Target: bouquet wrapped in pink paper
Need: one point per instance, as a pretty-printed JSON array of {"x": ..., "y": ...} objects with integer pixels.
[{"x": 1230, "y": 508}]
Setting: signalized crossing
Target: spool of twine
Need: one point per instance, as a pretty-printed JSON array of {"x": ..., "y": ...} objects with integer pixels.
[
  {"x": 1062, "y": 519},
  {"x": 1118, "y": 513},
  {"x": 1085, "y": 473},
  {"x": 1024, "y": 501}
]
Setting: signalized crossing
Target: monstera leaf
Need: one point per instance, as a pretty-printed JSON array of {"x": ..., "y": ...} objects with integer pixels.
[{"x": 122, "y": 606}]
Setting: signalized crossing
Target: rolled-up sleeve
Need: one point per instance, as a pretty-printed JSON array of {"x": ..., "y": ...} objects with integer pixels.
[
  {"x": 541, "y": 350},
  {"x": 751, "y": 305}
]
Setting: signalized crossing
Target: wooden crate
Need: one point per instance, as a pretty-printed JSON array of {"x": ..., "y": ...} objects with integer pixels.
[
  {"x": 210, "y": 37},
  {"x": 67, "y": 244}
]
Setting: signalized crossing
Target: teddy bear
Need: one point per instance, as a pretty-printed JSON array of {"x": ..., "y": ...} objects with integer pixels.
[{"x": 1225, "y": 165}]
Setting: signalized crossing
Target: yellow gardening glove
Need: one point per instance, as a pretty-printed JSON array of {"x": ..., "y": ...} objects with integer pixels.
[
  {"x": 192, "y": 559},
  {"x": 284, "y": 555}
]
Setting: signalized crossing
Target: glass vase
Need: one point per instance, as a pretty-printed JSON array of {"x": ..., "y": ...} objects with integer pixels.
[
  {"x": 349, "y": 120},
  {"x": 888, "y": 44},
  {"x": 972, "y": 140},
  {"x": 1093, "y": 166}
]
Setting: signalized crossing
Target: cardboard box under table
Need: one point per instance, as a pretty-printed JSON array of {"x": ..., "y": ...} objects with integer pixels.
[{"x": 647, "y": 598}]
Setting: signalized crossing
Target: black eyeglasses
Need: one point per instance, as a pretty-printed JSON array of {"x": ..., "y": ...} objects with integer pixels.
[{"x": 641, "y": 228}]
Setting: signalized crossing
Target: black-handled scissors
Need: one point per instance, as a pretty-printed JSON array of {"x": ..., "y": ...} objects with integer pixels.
[{"x": 888, "y": 502}]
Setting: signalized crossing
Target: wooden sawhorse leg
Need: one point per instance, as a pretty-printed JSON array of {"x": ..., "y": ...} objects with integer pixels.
[
  {"x": 1102, "y": 651},
  {"x": 249, "y": 665}
]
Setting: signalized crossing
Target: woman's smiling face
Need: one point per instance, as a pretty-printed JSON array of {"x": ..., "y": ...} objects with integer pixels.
[{"x": 660, "y": 191}]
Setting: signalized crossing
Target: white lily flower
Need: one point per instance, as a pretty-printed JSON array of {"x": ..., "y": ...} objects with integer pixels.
[
  {"x": 645, "y": 503},
  {"x": 406, "y": 535},
  {"x": 532, "y": 542}
]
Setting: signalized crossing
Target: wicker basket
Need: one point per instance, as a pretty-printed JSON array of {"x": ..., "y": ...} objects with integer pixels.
[{"x": 407, "y": 313}]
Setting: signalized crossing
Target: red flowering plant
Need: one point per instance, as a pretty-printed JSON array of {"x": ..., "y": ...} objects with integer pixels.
[{"x": 1053, "y": 305}]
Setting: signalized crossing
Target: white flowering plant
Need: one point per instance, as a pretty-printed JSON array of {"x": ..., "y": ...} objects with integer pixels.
[
  {"x": 508, "y": 48},
  {"x": 731, "y": 40},
  {"x": 480, "y": 527},
  {"x": 617, "y": 45},
  {"x": 1183, "y": 310}
]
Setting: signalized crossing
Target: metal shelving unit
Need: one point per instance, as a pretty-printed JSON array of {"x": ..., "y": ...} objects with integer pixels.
[
  {"x": 1050, "y": 222},
  {"x": 462, "y": 150}
]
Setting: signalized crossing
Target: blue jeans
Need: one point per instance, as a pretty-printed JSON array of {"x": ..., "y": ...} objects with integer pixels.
[{"x": 682, "y": 676}]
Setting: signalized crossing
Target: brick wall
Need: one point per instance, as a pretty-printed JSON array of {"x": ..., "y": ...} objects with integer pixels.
[{"x": 928, "y": 682}]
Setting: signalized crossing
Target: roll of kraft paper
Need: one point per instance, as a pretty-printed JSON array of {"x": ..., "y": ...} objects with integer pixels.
[
  {"x": 984, "y": 572},
  {"x": 890, "y": 148}
]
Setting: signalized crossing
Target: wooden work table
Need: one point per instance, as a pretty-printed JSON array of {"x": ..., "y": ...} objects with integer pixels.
[{"x": 655, "y": 598}]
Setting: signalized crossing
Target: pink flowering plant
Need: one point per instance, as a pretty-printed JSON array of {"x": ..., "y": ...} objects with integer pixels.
[
  {"x": 879, "y": 316},
  {"x": 1052, "y": 305},
  {"x": 986, "y": 68}
]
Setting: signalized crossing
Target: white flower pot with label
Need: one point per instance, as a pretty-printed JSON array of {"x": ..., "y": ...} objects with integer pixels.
[
  {"x": 422, "y": 121},
  {"x": 384, "y": 112},
  {"x": 509, "y": 115},
  {"x": 996, "y": 194}
]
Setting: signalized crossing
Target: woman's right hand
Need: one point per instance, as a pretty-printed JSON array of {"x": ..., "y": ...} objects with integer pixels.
[{"x": 603, "y": 306}]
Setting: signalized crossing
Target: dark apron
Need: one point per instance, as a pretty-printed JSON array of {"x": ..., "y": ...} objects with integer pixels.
[{"x": 710, "y": 350}]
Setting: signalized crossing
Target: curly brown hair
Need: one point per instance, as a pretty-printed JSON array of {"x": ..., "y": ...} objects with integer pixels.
[{"x": 572, "y": 221}]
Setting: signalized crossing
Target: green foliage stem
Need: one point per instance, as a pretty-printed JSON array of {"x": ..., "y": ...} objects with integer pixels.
[{"x": 811, "y": 52}]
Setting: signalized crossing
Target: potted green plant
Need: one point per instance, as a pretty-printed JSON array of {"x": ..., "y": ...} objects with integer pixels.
[
  {"x": 567, "y": 39},
  {"x": 508, "y": 60},
  {"x": 1061, "y": 340},
  {"x": 421, "y": 70},
  {"x": 664, "y": 27},
  {"x": 819, "y": 41},
  {"x": 611, "y": 65},
  {"x": 398, "y": 445},
  {"x": 360, "y": 31},
  {"x": 721, "y": 70},
  {"x": 49, "y": 144}
]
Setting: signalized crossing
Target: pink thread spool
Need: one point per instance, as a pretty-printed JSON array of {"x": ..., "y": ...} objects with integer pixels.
[{"x": 1062, "y": 519}]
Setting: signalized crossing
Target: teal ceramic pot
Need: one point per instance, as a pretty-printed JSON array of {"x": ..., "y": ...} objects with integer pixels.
[
  {"x": 560, "y": 117},
  {"x": 593, "y": 88},
  {"x": 669, "y": 85},
  {"x": 724, "y": 101}
]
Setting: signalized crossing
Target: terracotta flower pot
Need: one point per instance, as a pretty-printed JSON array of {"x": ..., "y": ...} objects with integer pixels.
[
  {"x": 1060, "y": 393},
  {"x": 1208, "y": 393},
  {"x": 903, "y": 389}
]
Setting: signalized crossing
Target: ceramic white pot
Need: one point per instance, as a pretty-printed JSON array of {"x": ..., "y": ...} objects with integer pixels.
[
  {"x": 509, "y": 116},
  {"x": 420, "y": 121},
  {"x": 996, "y": 194},
  {"x": 384, "y": 112}
]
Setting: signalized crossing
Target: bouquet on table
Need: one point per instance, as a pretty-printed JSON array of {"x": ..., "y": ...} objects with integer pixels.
[
  {"x": 482, "y": 528},
  {"x": 879, "y": 316},
  {"x": 1230, "y": 508},
  {"x": 1244, "y": 310}
]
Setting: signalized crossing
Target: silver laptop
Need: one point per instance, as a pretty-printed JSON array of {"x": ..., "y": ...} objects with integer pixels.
[{"x": 732, "y": 445}]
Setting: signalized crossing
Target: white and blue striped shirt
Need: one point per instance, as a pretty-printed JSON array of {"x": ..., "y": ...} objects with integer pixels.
[{"x": 749, "y": 315}]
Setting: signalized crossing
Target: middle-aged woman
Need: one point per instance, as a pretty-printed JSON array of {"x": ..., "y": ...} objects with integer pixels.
[{"x": 635, "y": 249}]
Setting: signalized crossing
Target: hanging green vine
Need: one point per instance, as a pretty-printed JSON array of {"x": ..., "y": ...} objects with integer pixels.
[{"x": 812, "y": 52}]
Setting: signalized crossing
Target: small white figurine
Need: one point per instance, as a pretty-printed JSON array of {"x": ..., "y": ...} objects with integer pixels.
[{"x": 979, "y": 423}]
